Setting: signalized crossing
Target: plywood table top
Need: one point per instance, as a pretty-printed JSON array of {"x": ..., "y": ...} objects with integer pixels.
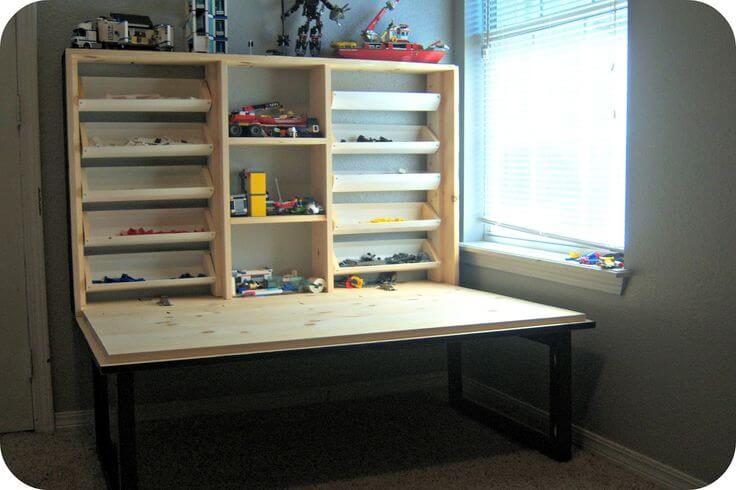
[{"x": 141, "y": 331}]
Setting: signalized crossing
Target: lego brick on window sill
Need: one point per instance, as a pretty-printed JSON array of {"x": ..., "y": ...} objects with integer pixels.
[{"x": 541, "y": 264}]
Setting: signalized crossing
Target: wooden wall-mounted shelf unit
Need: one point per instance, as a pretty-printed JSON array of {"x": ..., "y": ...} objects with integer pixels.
[{"x": 111, "y": 192}]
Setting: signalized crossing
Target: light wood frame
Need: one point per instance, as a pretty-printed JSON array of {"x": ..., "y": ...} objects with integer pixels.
[{"x": 438, "y": 140}]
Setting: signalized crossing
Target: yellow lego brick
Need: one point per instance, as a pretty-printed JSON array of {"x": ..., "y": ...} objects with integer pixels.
[
  {"x": 257, "y": 205},
  {"x": 256, "y": 183}
]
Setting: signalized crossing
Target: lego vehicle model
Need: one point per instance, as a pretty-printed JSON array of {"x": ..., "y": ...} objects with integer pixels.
[
  {"x": 298, "y": 205},
  {"x": 123, "y": 31},
  {"x": 391, "y": 45},
  {"x": 270, "y": 119}
]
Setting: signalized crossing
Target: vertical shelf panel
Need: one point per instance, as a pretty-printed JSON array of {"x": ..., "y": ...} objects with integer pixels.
[
  {"x": 320, "y": 87},
  {"x": 216, "y": 74},
  {"x": 74, "y": 149},
  {"x": 444, "y": 123}
]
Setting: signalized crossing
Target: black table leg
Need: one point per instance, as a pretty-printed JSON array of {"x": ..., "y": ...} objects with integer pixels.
[
  {"x": 127, "y": 462},
  {"x": 105, "y": 449},
  {"x": 455, "y": 372},
  {"x": 560, "y": 396},
  {"x": 557, "y": 441}
]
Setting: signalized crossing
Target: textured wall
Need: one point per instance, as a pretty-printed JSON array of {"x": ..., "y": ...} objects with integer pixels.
[
  {"x": 249, "y": 19},
  {"x": 657, "y": 374}
]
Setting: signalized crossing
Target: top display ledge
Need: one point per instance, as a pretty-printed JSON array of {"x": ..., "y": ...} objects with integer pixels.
[{"x": 242, "y": 60}]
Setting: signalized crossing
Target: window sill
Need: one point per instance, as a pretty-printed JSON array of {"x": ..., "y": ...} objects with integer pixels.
[{"x": 541, "y": 264}]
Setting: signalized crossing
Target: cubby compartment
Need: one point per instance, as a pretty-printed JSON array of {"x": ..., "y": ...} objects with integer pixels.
[
  {"x": 131, "y": 140},
  {"x": 359, "y": 219},
  {"x": 384, "y": 101},
  {"x": 384, "y": 248},
  {"x": 405, "y": 139},
  {"x": 131, "y": 94},
  {"x": 155, "y": 183},
  {"x": 158, "y": 269},
  {"x": 379, "y": 182},
  {"x": 147, "y": 227}
]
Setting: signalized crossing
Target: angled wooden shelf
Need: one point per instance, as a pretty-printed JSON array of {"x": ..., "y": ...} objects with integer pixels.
[
  {"x": 245, "y": 141},
  {"x": 384, "y": 248},
  {"x": 108, "y": 140},
  {"x": 132, "y": 94},
  {"x": 375, "y": 182},
  {"x": 384, "y": 101},
  {"x": 264, "y": 220},
  {"x": 104, "y": 228},
  {"x": 405, "y": 139},
  {"x": 159, "y": 269},
  {"x": 355, "y": 219},
  {"x": 155, "y": 183}
]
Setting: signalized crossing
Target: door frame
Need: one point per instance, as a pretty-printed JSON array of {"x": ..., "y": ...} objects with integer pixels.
[{"x": 32, "y": 212}]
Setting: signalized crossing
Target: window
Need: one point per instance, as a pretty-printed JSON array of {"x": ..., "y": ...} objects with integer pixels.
[{"x": 552, "y": 120}]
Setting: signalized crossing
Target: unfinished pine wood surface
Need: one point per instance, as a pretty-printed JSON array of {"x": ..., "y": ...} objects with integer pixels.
[
  {"x": 242, "y": 60},
  {"x": 445, "y": 200},
  {"x": 131, "y": 94},
  {"x": 198, "y": 327},
  {"x": 74, "y": 157},
  {"x": 320, "y": 91},
  {"x": 216, "y": 76}
]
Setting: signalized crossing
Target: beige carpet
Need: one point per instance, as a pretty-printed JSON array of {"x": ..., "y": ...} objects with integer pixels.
[{"x": 404, "y": 441}]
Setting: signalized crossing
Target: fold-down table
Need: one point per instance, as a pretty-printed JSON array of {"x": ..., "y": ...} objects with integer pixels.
[{"x": 129, "y": 336}]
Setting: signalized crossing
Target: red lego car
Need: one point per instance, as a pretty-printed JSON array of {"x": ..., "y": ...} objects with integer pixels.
[{"x": 250, "y": 122}]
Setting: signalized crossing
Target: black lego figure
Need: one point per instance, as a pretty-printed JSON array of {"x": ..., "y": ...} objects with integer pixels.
[{"x": 312, "y": 10}]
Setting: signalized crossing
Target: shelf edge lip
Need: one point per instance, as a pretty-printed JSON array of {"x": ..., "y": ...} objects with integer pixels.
[
  {"x": 245, "y": 141},
  {"x": 267, "y": 220}
]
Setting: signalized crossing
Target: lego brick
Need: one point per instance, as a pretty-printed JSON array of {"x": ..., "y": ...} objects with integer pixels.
[{"x": 257, "y": 205}]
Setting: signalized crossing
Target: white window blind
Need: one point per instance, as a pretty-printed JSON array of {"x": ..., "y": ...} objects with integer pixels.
[{"x": 554, "y": 116}]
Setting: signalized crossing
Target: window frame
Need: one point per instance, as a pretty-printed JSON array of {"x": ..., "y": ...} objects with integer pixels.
[{"x": 527, "y": 256}]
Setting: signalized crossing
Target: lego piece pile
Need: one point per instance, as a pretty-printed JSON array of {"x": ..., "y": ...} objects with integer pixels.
[
  {"x": 604, "y": 260},
  {"x": 149, "y": 231},
  {"x": 370, "y": 259}
]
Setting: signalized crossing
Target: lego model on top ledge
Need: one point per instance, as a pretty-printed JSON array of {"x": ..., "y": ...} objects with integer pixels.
[
  {"x": 205, "y": 29},
  {"x": 123, "y": 31},
  {"x": 307, "y": 36},
  {"x": 271, "y": 120},
  {"x": 392, "y": 45}
]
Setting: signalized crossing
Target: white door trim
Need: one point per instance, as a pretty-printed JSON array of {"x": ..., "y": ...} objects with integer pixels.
[{"x": 30, "y": 155}]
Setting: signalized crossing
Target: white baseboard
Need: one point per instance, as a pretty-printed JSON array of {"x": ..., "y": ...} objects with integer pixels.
[
  {"x": 265, "y": 400},
  {"x": 518, "y": 409},
  {"x": 623, "y": 456}
]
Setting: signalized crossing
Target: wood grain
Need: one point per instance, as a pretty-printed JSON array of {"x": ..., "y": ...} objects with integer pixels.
[{"x": 199, "y": 327}]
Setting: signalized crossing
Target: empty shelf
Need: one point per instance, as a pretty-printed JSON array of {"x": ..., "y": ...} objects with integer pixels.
[
  {"x": 404, "y": 139},
  {"x": 159, "y": 183},
  {"x": 385, "y": 101},
  {"x": 355, "y": 219},
  {"x": 263, "y": 220},
  {"x": 383, "y": 248},
  {"x": 128, "y": 94},
  {"x": 111, "y": 140},
  {"x": 159, "y": 269},
  {"x": 188, "y": 225},
  {"x": 374, "y": 182}
]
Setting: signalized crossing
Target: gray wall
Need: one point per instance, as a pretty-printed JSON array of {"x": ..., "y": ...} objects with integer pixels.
[
  {"x": 657, "y": 374},
  {"x": 249, "y": 19}
]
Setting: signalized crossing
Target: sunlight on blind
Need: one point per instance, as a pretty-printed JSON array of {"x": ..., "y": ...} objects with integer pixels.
[{"x": 555, "y": 116}]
